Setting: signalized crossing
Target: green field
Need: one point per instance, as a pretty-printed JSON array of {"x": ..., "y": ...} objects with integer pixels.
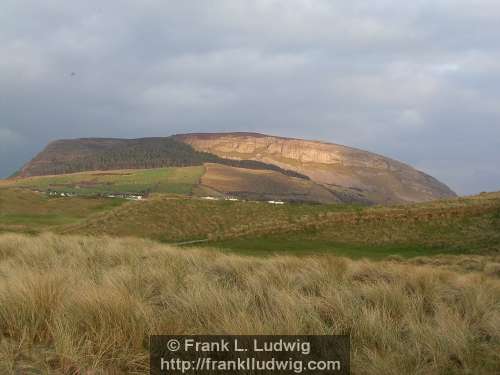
[
  {"x": 28, "y": 212},
  {"x": 161, "y": 180},
  {"x": 303, "y": 244},
  {"x": 457, "y": 226}
]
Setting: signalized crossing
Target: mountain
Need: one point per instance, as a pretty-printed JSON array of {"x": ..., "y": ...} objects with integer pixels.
[
  {"x": 253, "y": 166},
  {"x": 342, "y": 169}
]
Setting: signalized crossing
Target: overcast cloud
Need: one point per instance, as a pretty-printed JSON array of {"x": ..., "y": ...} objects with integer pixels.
[{"x": 417, "y": 81}]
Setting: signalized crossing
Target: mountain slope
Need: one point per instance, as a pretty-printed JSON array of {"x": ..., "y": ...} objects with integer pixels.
[
  {"x": 176, "y": 180},
  {"x": 380, "y": 179},
  {"x": 263, "y": 185},
  {"x": 92, "y": 154}
]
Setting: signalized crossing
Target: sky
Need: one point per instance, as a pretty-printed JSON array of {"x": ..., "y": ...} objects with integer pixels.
[{"x": 416, "y": 81}]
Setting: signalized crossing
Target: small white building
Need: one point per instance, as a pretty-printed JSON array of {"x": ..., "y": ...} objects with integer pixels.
[
  {"x": 135, "y": 197},
  {"x": 210, "y": 198},
  {"x": 276, "y": 202}
]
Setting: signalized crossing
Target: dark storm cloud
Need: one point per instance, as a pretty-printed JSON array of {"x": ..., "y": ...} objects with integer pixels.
[{"x": 415, "y": 81}]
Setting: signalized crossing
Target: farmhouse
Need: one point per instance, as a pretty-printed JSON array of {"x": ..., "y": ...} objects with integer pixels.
[
  {"x": 276, "y": 202},
  {"x": 52, "y": 193},
  {"x": 135, "y": 197},
  {"x": 129, "y": 196}
]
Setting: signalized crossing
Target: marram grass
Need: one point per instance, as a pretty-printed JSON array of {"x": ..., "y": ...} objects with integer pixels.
[{"x": 73, "y": 305}]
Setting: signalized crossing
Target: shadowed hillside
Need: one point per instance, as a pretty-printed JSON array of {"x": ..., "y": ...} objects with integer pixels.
[{"x": 102, "y": 154}]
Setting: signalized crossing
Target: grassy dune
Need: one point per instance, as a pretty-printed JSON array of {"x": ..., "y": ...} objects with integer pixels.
[
  {"x": 469, "y": 225},
  {"x": 457, "y": 226},
  {"x": 173, "y": 219},
  {"x": 73, "y": 305}
]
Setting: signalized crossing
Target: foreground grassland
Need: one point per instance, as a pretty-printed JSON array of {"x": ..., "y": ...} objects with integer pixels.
[
  {"x": 160, "y": 180},
  {"x": 72, "y": 305}
]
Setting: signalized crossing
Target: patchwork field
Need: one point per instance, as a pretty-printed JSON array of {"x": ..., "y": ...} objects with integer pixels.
[
  {"x": 263, "y": 185},
  {"x": 209, "y": 179},
  {"x": 79, "y": 305},
  {"x": 160, "y": 180},
  {"x": 29, "y": 212}
]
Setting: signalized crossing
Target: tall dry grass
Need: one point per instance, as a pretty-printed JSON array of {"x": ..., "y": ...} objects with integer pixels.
[{"x": 71, "y": 305}]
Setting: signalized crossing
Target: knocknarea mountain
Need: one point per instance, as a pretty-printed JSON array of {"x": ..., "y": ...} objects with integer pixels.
[{"x": 249, "y": 165}]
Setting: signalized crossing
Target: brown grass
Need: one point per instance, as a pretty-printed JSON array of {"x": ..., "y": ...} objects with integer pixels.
[
  {"x": 469, "y": 225},
  {"x": 488, "y": 265},
  {"x": 80, "y": 304},
  {"x": 263, "y": 184}
]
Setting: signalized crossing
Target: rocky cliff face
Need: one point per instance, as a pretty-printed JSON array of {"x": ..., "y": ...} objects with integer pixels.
[{"x": 373, "y": 177}]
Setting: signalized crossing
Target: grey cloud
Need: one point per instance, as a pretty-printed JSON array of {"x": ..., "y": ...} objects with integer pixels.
[{"x": 416, "y": 81}]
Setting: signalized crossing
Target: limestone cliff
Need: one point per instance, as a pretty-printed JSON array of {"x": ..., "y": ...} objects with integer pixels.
[{"x": 373, "y": 177}]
